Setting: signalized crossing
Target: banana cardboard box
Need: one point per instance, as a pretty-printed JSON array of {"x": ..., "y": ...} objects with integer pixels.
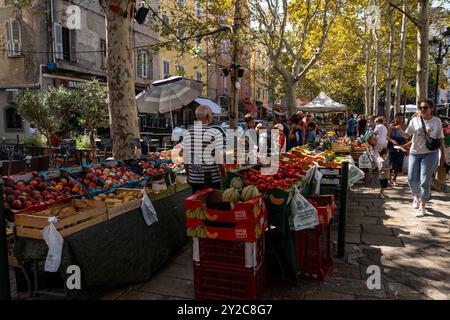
[{"x": 207, "y": 216}]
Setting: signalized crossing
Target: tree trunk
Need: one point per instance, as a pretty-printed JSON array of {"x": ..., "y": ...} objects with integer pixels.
[
  {"x": 422, "y": 49},
  {"x": 291, "y": 96},
  {"x": 401, "y": 60},
  {"x": 387, "y": 109},
  {"x": 93, "y": 144},
  {"x": 375, "y": 72},
  {"x": 123, "y": 115},
  {"x": 368, "y": 86}
]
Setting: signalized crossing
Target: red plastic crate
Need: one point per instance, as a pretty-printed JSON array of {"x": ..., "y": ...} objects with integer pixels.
[
  {"x": 313, "y": 252},
  {"x": 325, "y": 206},
  {"x": 215, "y": 283},
  {"x": 230, "y": 254}
]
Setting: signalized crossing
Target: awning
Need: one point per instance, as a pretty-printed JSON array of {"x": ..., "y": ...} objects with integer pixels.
[
  {"x": 323, "y": 103},
  {"x": 215, "y": 108}
]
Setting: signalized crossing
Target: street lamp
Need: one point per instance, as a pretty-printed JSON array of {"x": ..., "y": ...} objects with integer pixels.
[{"x": 438, "y": 49}]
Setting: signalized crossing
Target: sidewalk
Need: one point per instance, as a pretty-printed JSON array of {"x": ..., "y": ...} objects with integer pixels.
[{"x": 412, "y": 253}]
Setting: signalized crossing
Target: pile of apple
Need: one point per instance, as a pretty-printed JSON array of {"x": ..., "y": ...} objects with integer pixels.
[
  {"x": 14, "y": 199},
  {"x": 157, "y": 156},
  {"x": 125, "y": 174},
  {"x": 36, "y": 189},
  {"x": 149, "y": 168},
  {"x": 107, "y": 175}
]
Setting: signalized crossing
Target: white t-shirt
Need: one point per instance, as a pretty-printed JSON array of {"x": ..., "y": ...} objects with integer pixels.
[
  {"x": 381, "y": 133},
  {"x": 434, "y": 128}
]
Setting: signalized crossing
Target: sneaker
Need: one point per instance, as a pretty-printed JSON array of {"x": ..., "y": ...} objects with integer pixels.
[
  {"x": 421, "y": 212},
  {"x": 382, "y": 196},
  {"x": 415, "y": 203}
]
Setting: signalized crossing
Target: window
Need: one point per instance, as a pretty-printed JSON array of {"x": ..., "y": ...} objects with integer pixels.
[
  {"x": 65, "y": 43},
  {"x": 166, "y": 68},
  {"x": 198, "y": 9},
  {"x": 103, "y": 53},
  {"x": 142, "y": 63},
  {"x": 181, "y": 3},
  {"x": 199, "y": 76},
  {"x": 224, "y": 85},
  {"x": 12, "y": 119},
  {"x": 180, "y": 70},
  {"x": 14, "y": 38}
]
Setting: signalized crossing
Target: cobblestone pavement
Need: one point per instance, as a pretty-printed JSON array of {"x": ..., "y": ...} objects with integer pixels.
[{"x": 413, "y": 255}]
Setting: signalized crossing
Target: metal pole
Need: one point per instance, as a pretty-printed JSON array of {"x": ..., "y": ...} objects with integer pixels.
[
  {"x": 5, "y": 293},
  {"x": 343, "y": 210}
]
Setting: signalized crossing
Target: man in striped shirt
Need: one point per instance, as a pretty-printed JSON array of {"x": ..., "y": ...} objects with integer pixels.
[{"x": 203, "y": 152}]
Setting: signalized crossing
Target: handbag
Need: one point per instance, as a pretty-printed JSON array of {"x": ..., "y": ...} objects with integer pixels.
[{"x": 431, "y": 143}]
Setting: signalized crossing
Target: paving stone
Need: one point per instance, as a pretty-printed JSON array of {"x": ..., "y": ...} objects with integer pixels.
[
  {"x": 353, "y": 237},
  {"x": 179, "y": 271},
  {"x": 345, "y": 270},
  {"x": 116, "y": 293},
  {"x": 353, "y": 228},
  {"x": 376, "y": 213},
  {"x": 356, "y": 212},
  {"x": 327, "y": 295},
  {"x": 170, "y": 287},
  {"x": 351, "y": 286},
  {"x": 381, "y": 240},
  {"x": 140, "y": 295},
  {"x": 399, "y": 291},
  {"x": 362, "y": 220},
  {"x": 377, "y": 229}
]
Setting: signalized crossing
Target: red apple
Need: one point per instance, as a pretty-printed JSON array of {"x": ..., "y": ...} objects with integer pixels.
[
  {"x": 28, "y": 204},
  {"x": 6, "y": 205},
  {"x": 10, "y": 199},
  {"x": 42, "y": 186},
  {"x": 20, "y": 184},
  {"x": 17, "y": 205},
  {"x": 8, "y": 190}
]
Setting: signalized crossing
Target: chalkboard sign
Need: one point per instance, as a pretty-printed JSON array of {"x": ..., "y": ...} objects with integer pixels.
[
  {"x": 135, "y": 143},
  {"x": 67, "y": 147},
  {"x": 106, "y": 144},
  {"x": 16, "y": 151}
]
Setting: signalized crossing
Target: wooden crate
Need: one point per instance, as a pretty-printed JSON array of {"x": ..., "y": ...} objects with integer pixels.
[
  {"x": 116, "y": 210},
  {"x": 126, "y": 207},
  {"x": 31, "y": 225},
  {"x": 181, "y": 186}
]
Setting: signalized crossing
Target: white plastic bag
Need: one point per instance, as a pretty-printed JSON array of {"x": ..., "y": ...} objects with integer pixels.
[
  {"x": 304, "y": 214},
  {"x": 54, "y": 242},
  {"x": 354, "y": 175},
  {"x": 364, "y": 161},
  {"x": 317, "y": 179},
  {"x": 148, "y": 210},
  {"x": 405, "y": 164}
]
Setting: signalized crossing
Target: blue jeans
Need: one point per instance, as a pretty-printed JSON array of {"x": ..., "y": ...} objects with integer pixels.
[{"x": 420, "y": 173}]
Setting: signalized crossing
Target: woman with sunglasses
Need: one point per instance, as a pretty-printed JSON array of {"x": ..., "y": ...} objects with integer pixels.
[{"x": 423, "y": 161}]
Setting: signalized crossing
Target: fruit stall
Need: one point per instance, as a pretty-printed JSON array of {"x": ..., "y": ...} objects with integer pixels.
[
  {"x": 119, "y": 222},
  {"x": 283, "y": 219}
]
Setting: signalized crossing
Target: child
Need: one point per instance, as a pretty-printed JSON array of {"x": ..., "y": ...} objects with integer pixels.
[{"x": 385, "y": 169}]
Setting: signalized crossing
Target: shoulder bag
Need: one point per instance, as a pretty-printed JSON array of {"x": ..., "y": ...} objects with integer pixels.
[{"x": 431, "y": 143}]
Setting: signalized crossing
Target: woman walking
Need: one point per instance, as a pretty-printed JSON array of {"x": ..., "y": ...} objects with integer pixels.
[
  {"x": 428, "y": 138},
  {"x": 396, "y": 156}
]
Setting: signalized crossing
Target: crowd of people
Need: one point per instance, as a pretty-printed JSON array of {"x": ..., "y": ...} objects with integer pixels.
[{"x": 422, "y": 140}]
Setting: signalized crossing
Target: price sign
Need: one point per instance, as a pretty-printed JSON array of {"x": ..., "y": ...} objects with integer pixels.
[{"x": 67, "y": 147}]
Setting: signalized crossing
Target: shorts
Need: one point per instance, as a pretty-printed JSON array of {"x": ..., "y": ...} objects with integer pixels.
[
  {"x": 384, "y": 183},
  {"x": 396, "y": 159}
]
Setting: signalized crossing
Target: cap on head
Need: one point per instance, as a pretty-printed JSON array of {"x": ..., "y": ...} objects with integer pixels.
[{"x": 248, "y": 117}]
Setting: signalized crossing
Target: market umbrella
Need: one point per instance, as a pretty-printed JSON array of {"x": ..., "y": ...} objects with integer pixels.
[{"x": 169, "y": 94}]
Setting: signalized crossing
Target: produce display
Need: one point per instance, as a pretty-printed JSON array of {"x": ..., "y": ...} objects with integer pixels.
[
  {"x": 150, "y": 169},
  {"x": 107, "y": 175},
  {"x": 113, "y": 199}
]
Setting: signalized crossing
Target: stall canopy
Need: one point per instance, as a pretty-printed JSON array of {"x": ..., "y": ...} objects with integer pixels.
[
  {"x": 215, "y": 108},
  {"x": 323, "y": 103}
]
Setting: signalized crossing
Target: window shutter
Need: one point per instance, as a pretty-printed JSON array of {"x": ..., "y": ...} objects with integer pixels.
[
  {"x": 58, "y": 47},
  {"x": 144, "y": 64},
  {"x": 73, "y": 45},
  {"x": 16, "y": 38},
  {"x": 150, "y": 66},
  {"x": 9, "y": 37}
]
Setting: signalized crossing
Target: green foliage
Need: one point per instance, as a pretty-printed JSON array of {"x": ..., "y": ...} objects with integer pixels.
[
  {"x": 36, "y": 140},
  {"x": 83, "y": 141}
]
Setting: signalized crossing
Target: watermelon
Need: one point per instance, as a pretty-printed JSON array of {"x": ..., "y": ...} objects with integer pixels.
[
  {"x": 249, "y": 192},
  {"x": 230, "y": 195}
]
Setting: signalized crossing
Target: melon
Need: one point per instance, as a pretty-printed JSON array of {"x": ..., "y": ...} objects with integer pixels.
[
  {"x": 249, "y": 192},
  {"x": 230, "y": 195},
  {"x": 236, "y": 183}
]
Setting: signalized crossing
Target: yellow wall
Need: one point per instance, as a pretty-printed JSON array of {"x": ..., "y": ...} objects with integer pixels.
[{"x": 191, "y": 64}]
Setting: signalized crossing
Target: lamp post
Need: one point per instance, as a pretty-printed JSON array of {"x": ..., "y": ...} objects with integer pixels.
[{"x": 438, "y": 49}]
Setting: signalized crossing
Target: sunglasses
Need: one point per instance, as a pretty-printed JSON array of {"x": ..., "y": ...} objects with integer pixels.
[{"x": 424, "y": 108}]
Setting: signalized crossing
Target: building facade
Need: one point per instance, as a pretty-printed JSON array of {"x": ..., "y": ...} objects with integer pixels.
[{"x": 40, "y": 48}]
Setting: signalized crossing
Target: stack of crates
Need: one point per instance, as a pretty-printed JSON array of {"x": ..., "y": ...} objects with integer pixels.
[
  {"x": 331, "y": 181},
  {"x": 228, "y": 246},
  {"x": 313, "y": 246}
]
